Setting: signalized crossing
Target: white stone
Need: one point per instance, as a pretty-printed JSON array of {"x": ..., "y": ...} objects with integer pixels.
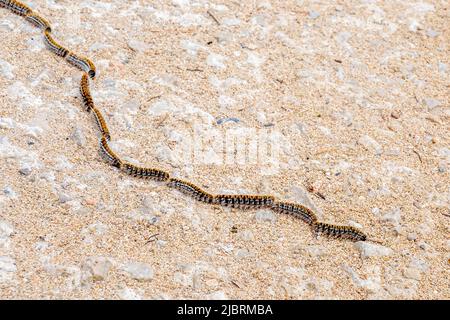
[
  {"x": 372, "y": 250},
  {"x": 129, "y": 294},
  {"x": 265, "y": 215},
  {"x": 6, "y": 69},
  {"x": 6, "y": 229},
  {"x": 97, "y": 267},
  {"x": 216, "y": 61},
  {"x": 370, "y": 144},
  {"x": 139, "y": 271},
  {"x": 7, "y": 268}
]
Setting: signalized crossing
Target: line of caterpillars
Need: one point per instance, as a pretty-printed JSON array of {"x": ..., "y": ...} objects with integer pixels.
[{"x": 185, "y": 187}]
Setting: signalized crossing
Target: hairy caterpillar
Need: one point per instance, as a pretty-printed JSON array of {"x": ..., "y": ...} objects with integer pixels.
[
  {"x": 82, "y": 63},
  {"x": 343, "y": 232},
  {"x": 191, "y": 189},
  {"x": 86, "y": 93},
  {"x": 296, "y": 210},
  {"x": 101, "y": 123},
  {"x": 235, "y": 201},
  {"x": 108, "y": 154},
  {"x": 54, "y": 46},
  {"x": 146, "y": 173},
  {"x": 16, "y": 7},
  {"x": 244, "y": 201},
  {"x": 38, "y": 21}
]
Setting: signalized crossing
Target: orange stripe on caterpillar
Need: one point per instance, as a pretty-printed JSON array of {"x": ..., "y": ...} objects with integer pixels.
[
  {"x": 108, "y": 154},
  {"x": 82, "y": 63},
  {"x": 191, "y": 189},
  {"x": 86, "y": 92},
  {"x": 54, "y": 46},
  {"x": 101, "y": 123},
  {"x": 146, "y": 173},
  {"x": 15, "y": 6},
  {"x": 244, "y": 201},
  {"x": 38, "y": 21},
  {"x": 296, "y": 210},
  {"x": 342, "y": 232}
]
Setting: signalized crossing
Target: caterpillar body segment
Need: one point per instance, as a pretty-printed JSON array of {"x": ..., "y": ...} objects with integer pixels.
[
  {"x": 82, "y": 63},
  {"x": 295, "y": 210},
  {"x": 38, "y": 21},
  {"x": 17, "y": 7},
  {"x": 54, "y": 46},
  {"x": 191, "y": 189},
  {"x": 101, "y": 123},
  {"x": 108, "y": 154},
  {"x": 86, "y": 92},
  {"x": 145, "y": 173},
  {"x": 244, "y": 201},
  {"x": 342, "y": 232}
]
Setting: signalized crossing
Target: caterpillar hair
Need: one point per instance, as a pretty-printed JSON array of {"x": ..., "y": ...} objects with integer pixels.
[
  {"x": 343, "y": 232},
  {"x": 16, "y": 7},
  {"x": 86, "y": 92},
  {"x": 146, "y": 173},
  {"x": 101, "y": 123},
  {"x": 82, "y": 63},
  {"x": 295, "y": 210},
  {"x": 244, "y": 201},
  {"x": 191, "y": 189},
  {"x": 54, "y": 46},
  {"x": 38, "y": 21},
  {"x": 108, "y": 154}
]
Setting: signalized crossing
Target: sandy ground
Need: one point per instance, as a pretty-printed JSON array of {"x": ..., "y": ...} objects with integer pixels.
[{"x": 353, "y": 95}]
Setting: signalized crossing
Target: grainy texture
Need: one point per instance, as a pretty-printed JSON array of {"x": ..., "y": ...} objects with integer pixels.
[{"x": 358, "y": 93}]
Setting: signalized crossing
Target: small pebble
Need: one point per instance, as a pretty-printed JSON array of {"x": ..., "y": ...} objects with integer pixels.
[
  {"x": 370, "y": 144},
  {"x": 63, "y": 198},
  {"x": 265, "y": 215},
  {"x": 25, "y": 170},
  {"x": 98, "y": 267},
  {"x": 412, "y": 273},
  {"x": 372, "y": 250},
  {"x": 78, "y": 137},
  {"x": 138, "y": 271},
  {"x": 412, "y": 237},
  {"x": 313, "y": 14}
]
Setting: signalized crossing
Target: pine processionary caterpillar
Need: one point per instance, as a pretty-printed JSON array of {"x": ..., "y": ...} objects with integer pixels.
[
  {"x": 146, "y": 173},
  {"x": 235, "y": 201},
  {"x": 191, "y": 189},
  {"x": 101, "y": 123},
  {"x": 54, "y": 46},
  {"x": 38, "y": 21},
  {"x": 86, "y": 93},
  {"x": 16, "y": 7},
  {"x": 296, "y": 210},
  {"x": 82, "y": 63},
  {"x": 108, "y": 154},
  {"x": 244, "y": 201},
  {"x": 343, "y": 232}
]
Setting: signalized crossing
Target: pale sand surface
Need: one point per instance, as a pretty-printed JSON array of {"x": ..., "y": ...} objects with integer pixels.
[{"x": 357, "y": 90}]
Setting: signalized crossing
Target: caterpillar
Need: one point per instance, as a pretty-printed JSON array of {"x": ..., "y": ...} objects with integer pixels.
[
  {"x": 244, "y": 201},
  {"x": 188, "y": 188},
  {"x": 38, "y": 21},
  {"x": 101, "y": 123},
  {"x": 16, "y": 7},
  {"x": 191, "y": 190},
  {"x": 146, "y": 173},
  {"x": 86, "y": 93},
  {"x": 296, "y": 210},
  {"x": 343, "y": 232},
  {"x": 54, "y": 46},
  {"x": 108, "y": 154},
  {"x": 82, "y": 63}
]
